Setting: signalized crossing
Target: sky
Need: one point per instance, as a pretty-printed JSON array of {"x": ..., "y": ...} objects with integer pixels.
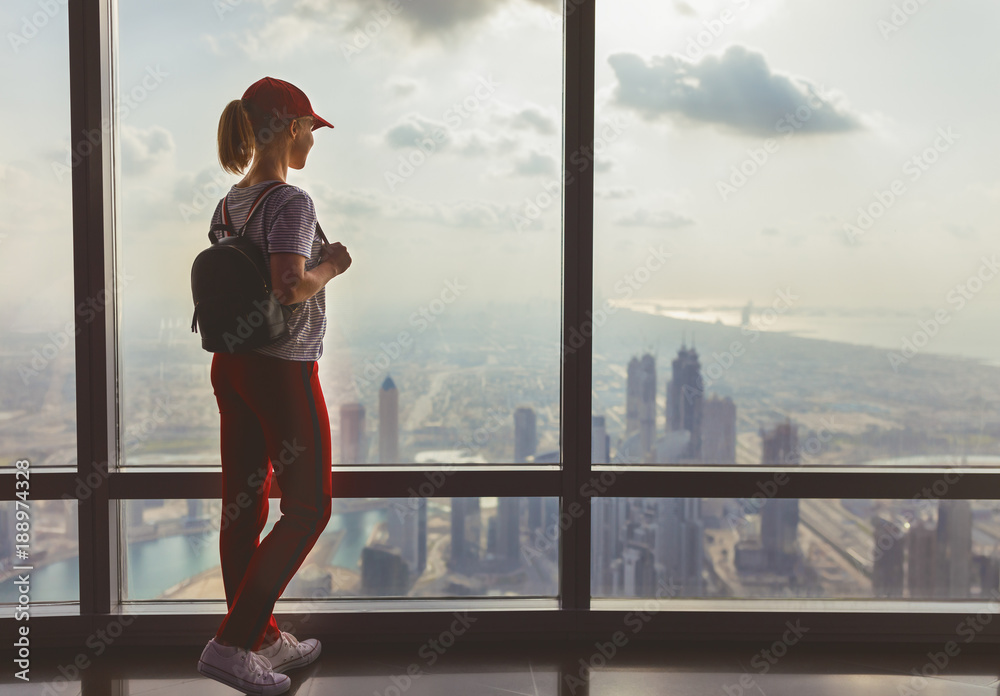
[{"x": 674, "y": 118}]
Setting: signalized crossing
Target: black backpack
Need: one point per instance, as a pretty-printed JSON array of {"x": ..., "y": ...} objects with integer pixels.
[{"x": 234, "y": 305}]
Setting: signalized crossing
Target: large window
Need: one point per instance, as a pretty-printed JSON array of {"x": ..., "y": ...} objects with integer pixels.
[
  {"x": 444, "y": 120},
  {"x": 762, "y": 547},
  {"x": 648, "y": 300},
  {"x": 37, "y": 369},
  {"x": 419, "y": 547},
  {"x": 787, "y": 233}
]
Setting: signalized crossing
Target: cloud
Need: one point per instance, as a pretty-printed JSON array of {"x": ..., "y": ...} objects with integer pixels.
[
  {"x": 535, "y": 164},
  {"x": 369, "y": 204},
  {"x": 402, "y": 86},
  {"x": 535, "y": 118},
  {"x": 144, "y": 148},
  {"x": 616, "y": 193},
  {"x": 962, "y": 231},
  {"x": 683, "y": 8},
  {"x": 663, "y": 219},
  {"x": 414, "y": 129},
  {"x": 737, "y": 90},
  {"x": 433, "y": 18}
]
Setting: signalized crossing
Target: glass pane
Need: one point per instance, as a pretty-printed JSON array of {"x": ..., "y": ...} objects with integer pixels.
[
  {"x": 391, "y": 547},
  {"x": 38, "y": 341},
  {"x": 765, "y": 547},
  {"x": 52, "y": 550},
  {"x": 441, "y": 177},
  {"x": 785, "y": 236}
]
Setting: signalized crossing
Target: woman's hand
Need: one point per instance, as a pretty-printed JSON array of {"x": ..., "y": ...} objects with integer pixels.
[{"x": 336, "y": 255}]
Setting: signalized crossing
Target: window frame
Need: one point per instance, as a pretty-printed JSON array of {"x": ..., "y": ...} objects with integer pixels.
[{"x": 93, "y": 65}]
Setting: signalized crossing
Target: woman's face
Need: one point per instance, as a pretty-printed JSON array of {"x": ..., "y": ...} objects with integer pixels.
[{"x": 302, "y": 142}]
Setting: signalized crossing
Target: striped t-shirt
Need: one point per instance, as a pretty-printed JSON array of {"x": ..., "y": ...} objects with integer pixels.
[{"x": 288, "y": 216}]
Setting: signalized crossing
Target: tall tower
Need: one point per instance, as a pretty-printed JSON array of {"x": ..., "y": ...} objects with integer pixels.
[
  {"x": 647, "y": 403},
  {"x": 525, "y": 439},
  {"x": 407, "y": 527},
  {"x": 779, "y": 519},
  {"x": 352, "y": 430},
  {"x": 600, "y": 445},
  {"x": 388, "y": 423},
  {"x": 606, "y": 536},
  {"x": 685, "y": 396},
  {"x": 632, "y": 397},
  {"x": 639, "y": 571},
  {"x": 680, "y": 543},
  {"x": 920, "y": 560},
  {"x": 718, "y": 431},
  {"x": 887, "y": 573},
  {"x": 953, "y": 549},
  {"x": 466, "y": 525},
  {"x": 508, "y": 531}
]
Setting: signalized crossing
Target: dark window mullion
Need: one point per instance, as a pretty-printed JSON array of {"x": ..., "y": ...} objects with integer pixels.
[
  {"x": 90, "y": 90},
  {"x": 577, "y": 288}
]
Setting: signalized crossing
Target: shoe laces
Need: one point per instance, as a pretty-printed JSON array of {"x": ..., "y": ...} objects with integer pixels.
[{"x": 258, "y": 663}]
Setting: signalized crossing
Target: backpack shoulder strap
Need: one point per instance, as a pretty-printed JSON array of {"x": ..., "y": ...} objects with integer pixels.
[
  {"x": 227, "y": 226},
  {"x": 256, "y": 204}
]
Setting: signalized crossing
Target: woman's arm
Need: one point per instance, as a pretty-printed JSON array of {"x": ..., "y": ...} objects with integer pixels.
[{"x": 292, "y": 283}]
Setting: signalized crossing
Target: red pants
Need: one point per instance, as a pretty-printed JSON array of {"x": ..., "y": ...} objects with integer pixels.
[{"x": 274, "y": 419}]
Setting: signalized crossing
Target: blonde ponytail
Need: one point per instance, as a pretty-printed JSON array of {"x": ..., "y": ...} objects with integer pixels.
[{"x": 236, "y": 138}]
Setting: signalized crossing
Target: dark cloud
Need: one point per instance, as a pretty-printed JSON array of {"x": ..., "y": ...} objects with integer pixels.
[
  {"x": 737, "y": 90},
  {"x": 663, "y": 219}
]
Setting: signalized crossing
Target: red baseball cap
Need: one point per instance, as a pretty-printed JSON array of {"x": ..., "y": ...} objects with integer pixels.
[{"x": 271, "y": 95}]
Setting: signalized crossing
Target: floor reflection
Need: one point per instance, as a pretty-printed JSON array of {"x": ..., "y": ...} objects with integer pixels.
[{"x": 539, "y": 669}]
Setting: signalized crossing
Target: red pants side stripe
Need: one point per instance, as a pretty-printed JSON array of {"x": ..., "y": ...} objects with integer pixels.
[{"x": 274, "y": 421}]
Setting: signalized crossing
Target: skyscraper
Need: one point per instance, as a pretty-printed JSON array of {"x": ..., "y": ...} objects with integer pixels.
[
  {"x": 407, "y": 528},
  {"x": 781, "y": 445},
  {"x": 508, "y": 546},
  {"x": 887, "y": 573},
  {"x": 384, "y": 572},
  {"x": 632, "y": 397},
  {"x": 953, "y": 549},
  {"x": 525, "y": 438},
  {"x": 466, "y": 524},
  {"x": 718, "y": 431},
  {"x": 388, "y": 423},
  {"x": 685, "y": 396},
  {"x": 920, "y": 560},
  {"x": 779, "y": 519},
  {"x": 352, "y": 430},
  {"x": 647, "y": 403},
  {"x": 679, "y": 543},
  {"x": 600, "y": 443},
  {"x": 607, "y": 538},
  {"x": 639, "y": 572}
]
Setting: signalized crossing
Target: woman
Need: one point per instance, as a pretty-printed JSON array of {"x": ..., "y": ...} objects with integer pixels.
[{"x": 273, "y": 413}]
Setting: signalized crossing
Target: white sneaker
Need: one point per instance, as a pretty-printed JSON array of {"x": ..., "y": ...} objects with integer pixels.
[
  {"x": 288, "y": 653},
  {"x": 241, "y": 669}
]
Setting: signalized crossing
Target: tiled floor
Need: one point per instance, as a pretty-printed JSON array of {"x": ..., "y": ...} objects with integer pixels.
[{"x": 540, "y": 669}]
